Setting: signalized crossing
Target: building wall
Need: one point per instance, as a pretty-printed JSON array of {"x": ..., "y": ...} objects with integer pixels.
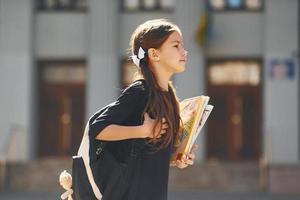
[
  {"x": 273, "y": 33},
  {"x": 104, "y": 42},
  {"x": 101, "y": 37},
  {"x": 237, "y": 34},
  {"x": 103, "y": 54},
  {"x": 61, "y": 35},
  {"x": 281, "y": 98},
  {"x": 16, "y": 77}
]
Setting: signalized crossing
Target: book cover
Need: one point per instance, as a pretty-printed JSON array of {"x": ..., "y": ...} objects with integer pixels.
[{"x": 194, "y": 113}]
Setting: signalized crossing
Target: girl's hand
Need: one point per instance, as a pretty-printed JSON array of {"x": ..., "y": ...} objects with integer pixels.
[
  {"x": 149, "y": 125},
  {"x": 187, "y": 160}
]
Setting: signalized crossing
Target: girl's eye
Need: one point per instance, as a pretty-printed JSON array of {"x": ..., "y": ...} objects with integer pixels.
[{"x": 176, "y": 46}]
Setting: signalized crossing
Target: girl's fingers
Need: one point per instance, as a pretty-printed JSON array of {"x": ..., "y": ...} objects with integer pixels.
[
  {"x": 191, "y": 156},
  {"x": 194, "y": 148},
  {"x": 161, "y": 133},
  {"x": 165, "y": 126},
  {"x": 180, "y": 164},
  {"x": 189, "y": 160},
  {"x": 160, "y": 130}
]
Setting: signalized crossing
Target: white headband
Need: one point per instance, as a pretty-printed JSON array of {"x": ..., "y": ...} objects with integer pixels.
[{"x": 136, "y": 58}]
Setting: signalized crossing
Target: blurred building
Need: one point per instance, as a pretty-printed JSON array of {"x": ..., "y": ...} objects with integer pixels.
[{"x": 62, "y": 60}]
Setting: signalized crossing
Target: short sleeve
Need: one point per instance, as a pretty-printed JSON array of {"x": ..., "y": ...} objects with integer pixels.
[{"x": 118, "y": 111}]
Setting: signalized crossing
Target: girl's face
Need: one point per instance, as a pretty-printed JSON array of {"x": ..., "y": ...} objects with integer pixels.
[{"x": 172, "y": 55}]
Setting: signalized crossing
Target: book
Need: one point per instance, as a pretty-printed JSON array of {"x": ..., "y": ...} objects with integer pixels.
[{"x": 194, "y": 113}]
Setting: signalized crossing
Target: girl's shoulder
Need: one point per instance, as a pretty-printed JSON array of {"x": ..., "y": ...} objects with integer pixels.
[{"x": 137, "y": 87}]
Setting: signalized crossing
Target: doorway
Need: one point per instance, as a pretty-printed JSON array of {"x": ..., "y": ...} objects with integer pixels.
[
  {"x": 61, "y": 107},
  {"x": 234, "y": 127}
]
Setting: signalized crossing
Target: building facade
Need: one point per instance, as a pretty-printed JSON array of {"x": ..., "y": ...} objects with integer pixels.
[{"x": 61, "y": 61}]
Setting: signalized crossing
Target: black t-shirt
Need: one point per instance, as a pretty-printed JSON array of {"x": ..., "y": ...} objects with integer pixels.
[{"x": 149, "y": 181}]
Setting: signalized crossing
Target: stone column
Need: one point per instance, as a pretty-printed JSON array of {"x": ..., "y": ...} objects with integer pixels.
[{"x": 16, "y": 79}]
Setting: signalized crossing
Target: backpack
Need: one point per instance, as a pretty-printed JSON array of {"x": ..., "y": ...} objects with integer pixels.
[
  {"x": 97, "y": 174},
  {"x": 102, "y": 179},
  {"x": 81, "y": 185}
]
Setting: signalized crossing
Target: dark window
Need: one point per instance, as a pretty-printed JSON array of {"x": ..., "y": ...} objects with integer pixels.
[
  {"x": 236, "y": 5},
  {"x": 147, "y": 5},
  {"x": 62, "y": 5}
]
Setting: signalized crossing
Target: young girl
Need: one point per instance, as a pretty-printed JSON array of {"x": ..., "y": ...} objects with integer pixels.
[{"x": 140, "y": 127}]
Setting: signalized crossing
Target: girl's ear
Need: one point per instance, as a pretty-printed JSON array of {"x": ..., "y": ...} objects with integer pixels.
[{"x": 153, "y": 54}]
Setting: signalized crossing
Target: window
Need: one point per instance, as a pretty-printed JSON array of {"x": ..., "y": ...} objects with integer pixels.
[
  {"x": 217, "y": 4},
  {"x": 62, "y": 5},
  {"x": 64, "y": 72},
  {"x": 234, "y": 72},
  {"x": 235, "y": 5},
  {"x": 147, "y": 5},
  {"x": 254, "y": 4}
]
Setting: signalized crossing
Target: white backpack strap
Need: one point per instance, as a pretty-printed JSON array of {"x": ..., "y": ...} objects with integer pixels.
[{"x": 84, "y": 153}]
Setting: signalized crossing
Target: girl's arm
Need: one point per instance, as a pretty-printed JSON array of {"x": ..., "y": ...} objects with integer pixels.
[{"x": 115, "y": 132}]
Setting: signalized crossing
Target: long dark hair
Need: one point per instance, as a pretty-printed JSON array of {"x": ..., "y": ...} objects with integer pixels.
[{"x": 152, "y": 34}]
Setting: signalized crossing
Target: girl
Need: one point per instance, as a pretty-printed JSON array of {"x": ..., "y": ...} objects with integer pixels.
[{"x": 139, "y": 128}]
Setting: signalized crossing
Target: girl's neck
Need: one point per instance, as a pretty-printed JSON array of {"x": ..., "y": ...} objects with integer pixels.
[
  {"x": 162, "y": 75},
  {"x": 163, "y": 79},
  {"x": 164, "y": 85}
]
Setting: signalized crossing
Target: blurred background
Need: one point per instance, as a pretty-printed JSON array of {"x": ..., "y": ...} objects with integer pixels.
[{"x": 62, "y": 60}]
